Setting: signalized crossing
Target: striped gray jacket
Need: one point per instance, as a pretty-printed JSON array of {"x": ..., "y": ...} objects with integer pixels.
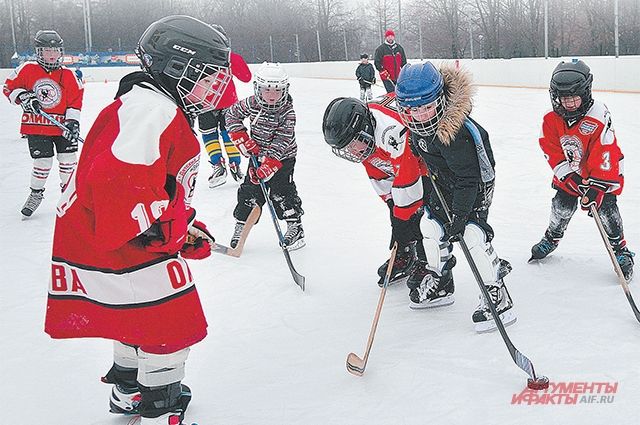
[{"x": 273, "y": 131}]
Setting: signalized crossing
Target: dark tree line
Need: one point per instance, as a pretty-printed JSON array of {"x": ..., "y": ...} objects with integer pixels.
[{"x": 291, "y": 30}]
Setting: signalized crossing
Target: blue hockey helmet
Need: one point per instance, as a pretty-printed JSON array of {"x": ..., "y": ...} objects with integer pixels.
[{"x": 420, "y": 97}]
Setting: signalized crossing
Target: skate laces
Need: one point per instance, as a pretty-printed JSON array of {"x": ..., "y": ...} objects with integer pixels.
[
  {"x": 625, "y": 257},
  {"x": 35, "y": 197},
  {"x": 238, "y": 230},
  {"x": 546, "y": 246},
  {"x": 293, "y": 229}
]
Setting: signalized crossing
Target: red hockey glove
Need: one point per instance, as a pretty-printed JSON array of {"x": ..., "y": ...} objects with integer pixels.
[
  {"x": 29, "y": 102},
  {"x": 265, "y": 171},
  {"x": 170, "y": 229},
  {"x": 573, "y": 182},
  {"x": 245, "y": 144},
  {"x": 199, "y": 242},
  {"x": 384, "y": 75},
  {"x": 593, "y": 194}
]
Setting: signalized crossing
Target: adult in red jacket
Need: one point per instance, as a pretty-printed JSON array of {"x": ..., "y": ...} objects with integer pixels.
[
  {"x": 581, "y": 147},
  {"x": 47, "y": 86},
  {"x": 389, "y": 59},
  {"x": 124, "y": 225},
  {"x": 213, "y": 126}
]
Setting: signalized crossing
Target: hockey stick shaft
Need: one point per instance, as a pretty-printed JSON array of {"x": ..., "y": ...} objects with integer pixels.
[
  {"x": 520, "y": 359},
  {"x": 355, "y": 364},
  {"x": 57, "y": 123},
  {"x": 297, "y": 277},
  {"x": 614, "y": 261}
]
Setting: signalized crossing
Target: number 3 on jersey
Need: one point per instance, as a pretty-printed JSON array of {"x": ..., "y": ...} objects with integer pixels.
[{"x": 606, "y": 161}]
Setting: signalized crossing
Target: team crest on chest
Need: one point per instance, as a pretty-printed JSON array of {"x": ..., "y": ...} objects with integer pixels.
[
  {"x": 587, "y": 127},
  {"x": 572, "y": 147},
  {"x": 187, "y": 177},
  {"x": 49, "y": 92}
]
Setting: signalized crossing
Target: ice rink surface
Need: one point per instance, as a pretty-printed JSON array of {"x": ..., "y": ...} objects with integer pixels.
[{"x": 276, "y": 356}]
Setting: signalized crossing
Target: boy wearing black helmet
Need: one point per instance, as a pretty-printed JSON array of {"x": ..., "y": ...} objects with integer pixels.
[
  {"x": 128, "y": 203},
  {"x": 373, "y": 134},
  {"x": 47, "y": 86},
  {"x": 580, "y": 145}
]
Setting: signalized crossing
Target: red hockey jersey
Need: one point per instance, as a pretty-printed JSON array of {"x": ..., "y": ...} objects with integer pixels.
[
  {"x": 103, "y": 282},
  {"x": 59, "y": 92},
  {"x": 589, "y": 148},
  {"x": 395, "y": 172}
]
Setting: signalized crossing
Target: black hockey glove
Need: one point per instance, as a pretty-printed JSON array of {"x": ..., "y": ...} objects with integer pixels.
[
  {"x": 455, "y": 229},
  {"x": 29, "y": 102},
  {"x": 593, "y": 194},
  {"x": 72, "y": 133}
]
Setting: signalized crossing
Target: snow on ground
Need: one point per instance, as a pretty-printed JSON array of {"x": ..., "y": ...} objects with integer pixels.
[{"x": 275, "y": 355}]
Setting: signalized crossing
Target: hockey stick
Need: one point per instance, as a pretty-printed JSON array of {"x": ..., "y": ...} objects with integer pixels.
[
  {"x": 58, "y": 124},
  {"x": 297, "y": 277},
  {"x": 534, "y": 382},
  {"x": 355, "y": 364},
  {"x": 237, "y": 251},
  {"x": 612, "y": 256}
]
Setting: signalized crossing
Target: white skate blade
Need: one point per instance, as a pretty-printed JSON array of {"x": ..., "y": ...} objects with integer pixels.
[
  {"x": 440, "y": 302},
  {"x": 296, "y": 245},
  {"x": 213, "y": 183},
  {"x": 508, "y": 318},
  {"x": 398, "y": 281}
]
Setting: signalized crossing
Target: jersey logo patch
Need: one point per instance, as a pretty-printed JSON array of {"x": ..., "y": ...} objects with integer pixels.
[
  {"x": 572, "y": 147},
  {"x": 48, "y": 92},
  {"x": 587, "y": 127}
]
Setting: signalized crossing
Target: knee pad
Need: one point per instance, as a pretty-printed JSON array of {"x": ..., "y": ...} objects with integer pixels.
[
  {"x": 563, "y": 206},
  {"x": 437, "y": 250},
  {"x": 482, "y": 252},
  {"x": 155, "y": 370},
  {"x": 43, "y": 163},
  {"x": 67, "y": 158}
]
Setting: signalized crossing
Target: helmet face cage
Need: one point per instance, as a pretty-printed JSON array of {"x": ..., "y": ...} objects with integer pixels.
[
  {"x": 581, "y": 89},
  {"x": 263, "y": 89},
  {"x": 428, "y": 127},
  {"x": 50, "y": 58},
  {"x": 201, "y": 86},
  {"x": 360, "y": 148}
]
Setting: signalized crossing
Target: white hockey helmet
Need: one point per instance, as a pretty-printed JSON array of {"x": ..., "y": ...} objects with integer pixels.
[{"x": 271, "y": 86}]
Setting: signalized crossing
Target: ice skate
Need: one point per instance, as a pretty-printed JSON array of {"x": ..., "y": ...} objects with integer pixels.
[
  {"x": 294, "y": 236},
  {"x": 237, "y": 233},
  {"x": 235, "y": 171},
  {"x": 482, "y": 317},
  {"x": 218, "y": 174},
  {"x": 428, "y": 289},
  {"x": 32, "y": 203}
]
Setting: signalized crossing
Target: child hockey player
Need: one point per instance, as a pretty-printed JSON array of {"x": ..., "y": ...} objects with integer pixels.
[
  {"x": 47, "y": 86},
  {"x": 435, "y": 105},
  {"x": 273, "y": 141},
  {"x": 213, "y": 127},
  {"x": 120, "y": 241},
  {"x": 580, "y": 145},
  {"x": 366, "y": 75},
  {"x": 374, "y": 135}
]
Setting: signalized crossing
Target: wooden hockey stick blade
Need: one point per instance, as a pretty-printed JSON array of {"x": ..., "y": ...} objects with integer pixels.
[
  {"x": 616, "y": 266},
  {"x": 355, "y": 365},
  {"x": 254, "y": 215}
]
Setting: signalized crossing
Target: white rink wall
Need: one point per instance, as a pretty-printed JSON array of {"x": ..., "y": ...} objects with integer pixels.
[{"x": 610, "y": 73}]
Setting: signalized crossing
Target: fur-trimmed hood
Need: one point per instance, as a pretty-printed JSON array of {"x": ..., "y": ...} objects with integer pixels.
[{"x": 459, "y": 93}]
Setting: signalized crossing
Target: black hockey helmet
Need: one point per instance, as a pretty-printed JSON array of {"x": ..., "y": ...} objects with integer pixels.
[
  {"x": 348, "y": 128},
  {"x": 49, "y": 49},
  {"x": 189, "y": 59},
  {"x": 571, "y": 79},
  {"x": 364, "y": 56}
]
